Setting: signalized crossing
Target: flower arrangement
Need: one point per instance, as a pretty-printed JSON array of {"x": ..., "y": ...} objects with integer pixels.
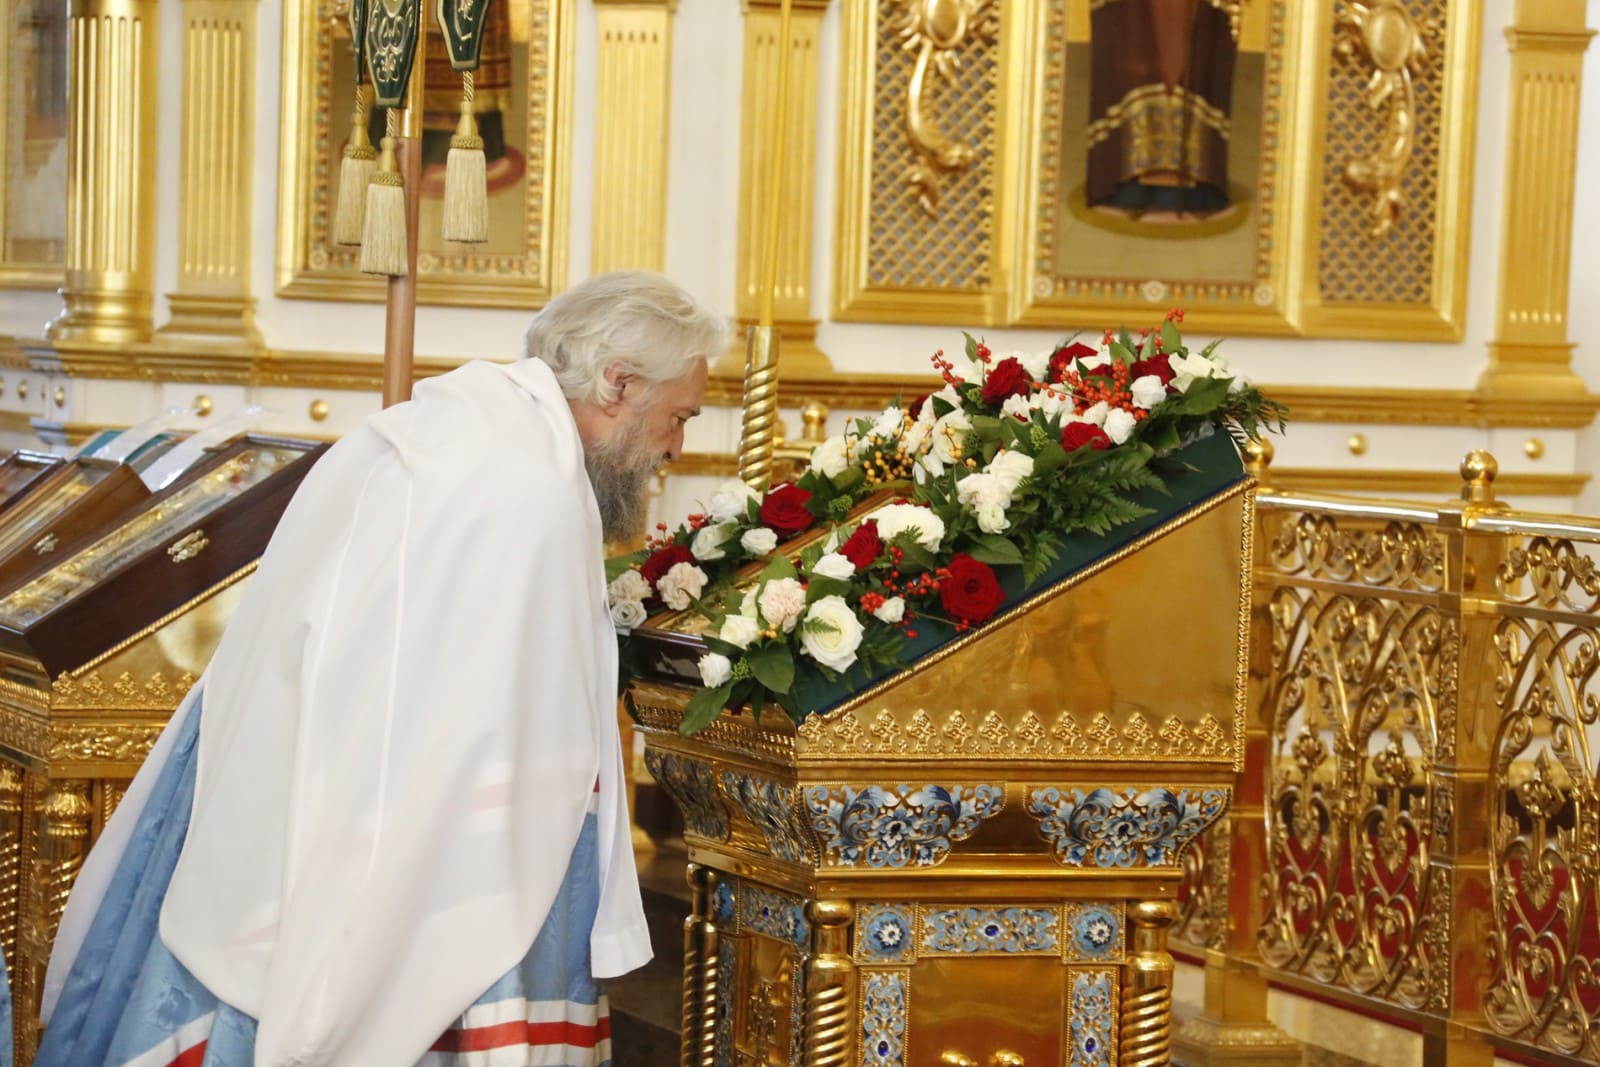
[{"x": 992, "y": 474}]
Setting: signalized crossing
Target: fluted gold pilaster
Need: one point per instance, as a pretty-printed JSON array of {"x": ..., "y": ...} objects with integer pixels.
[
  {"x": 213, "y": 306},
  {"x": 111, "y": 155},
  {"x": 633, "y": 71},
  {"x": 758, "y": 134},
  {"x": 1531, "y": 352}
]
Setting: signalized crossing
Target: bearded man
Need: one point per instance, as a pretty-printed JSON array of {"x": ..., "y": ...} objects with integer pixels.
[{"x": 388, "y": 826}]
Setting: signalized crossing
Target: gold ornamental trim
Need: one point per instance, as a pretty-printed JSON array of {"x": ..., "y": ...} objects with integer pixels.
[
  {"x": 123, "y": 742},
  {"x": 91, "y": 692},
  {"x": 26, "y": 732},
  {"x": 183, "y": 609}
]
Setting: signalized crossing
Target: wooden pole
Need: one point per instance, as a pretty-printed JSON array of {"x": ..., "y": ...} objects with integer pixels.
[{"x": 400, "y": 320}]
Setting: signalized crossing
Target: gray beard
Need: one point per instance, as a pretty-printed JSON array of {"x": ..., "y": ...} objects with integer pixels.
[{"x": 620, "y": 469}]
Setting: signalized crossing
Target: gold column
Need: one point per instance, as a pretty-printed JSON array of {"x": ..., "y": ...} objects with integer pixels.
[
  {"x": 701, "y": 959},
  {"x": 213, "y": 305},
  {"x": 1531, "y": 353},
  {"x": 633, "y": 72},
  {"x": 111, "y": 158},
  {"x": 791, "y": 305},
  {"x": 830, "y": 1021}
]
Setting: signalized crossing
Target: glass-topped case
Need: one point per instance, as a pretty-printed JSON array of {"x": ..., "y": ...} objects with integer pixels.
[
  {"x": 21, "y": 469},
  {"x": 163, "y": 553}
]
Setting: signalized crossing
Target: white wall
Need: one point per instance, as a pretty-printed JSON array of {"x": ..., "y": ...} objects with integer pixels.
[{"x": 1584, "y": 309}]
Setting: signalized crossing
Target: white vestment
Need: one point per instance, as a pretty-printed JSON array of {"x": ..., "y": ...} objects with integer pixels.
[{"x": 402, "y": 729}]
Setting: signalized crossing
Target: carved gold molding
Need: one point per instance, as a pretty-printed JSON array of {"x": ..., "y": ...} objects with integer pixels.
[
  {"x": 633, "y": 75},
  {"x": 1443, "y": 484},
  {"x": 791, "y": 305},
  {"x": 1531, "y": 352},
  {"x": 213, "y": 305},
  {"x": 111, "y": 160}
]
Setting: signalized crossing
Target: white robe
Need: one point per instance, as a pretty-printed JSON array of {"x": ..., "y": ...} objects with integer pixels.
[{"x": 402, "y": 728}]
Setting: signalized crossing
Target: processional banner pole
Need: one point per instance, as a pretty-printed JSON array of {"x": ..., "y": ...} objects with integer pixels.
[
  {"x": 400, "y": 305},
  {"x": 758, "y": 433}
]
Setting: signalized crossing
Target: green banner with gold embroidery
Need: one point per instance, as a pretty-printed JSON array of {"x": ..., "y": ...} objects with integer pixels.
[
  {"x": 391, "y": 47},
  {"x": 358, "y": 33},
  {"x": 462, "y": 22}
]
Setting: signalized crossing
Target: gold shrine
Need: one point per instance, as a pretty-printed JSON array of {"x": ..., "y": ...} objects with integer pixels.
[{"x": 975, "y": 861}]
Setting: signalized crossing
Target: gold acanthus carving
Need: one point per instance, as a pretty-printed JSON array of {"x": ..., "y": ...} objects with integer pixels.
[
  {"x": 937, "y": 30},
  {"x": 859, "y": 732},
  {"x": 24, "y": 732},
  {"x": 92, "y": 692},
  {"x": 117, "y": 742},
  {"x": 1395, "y": 46}
]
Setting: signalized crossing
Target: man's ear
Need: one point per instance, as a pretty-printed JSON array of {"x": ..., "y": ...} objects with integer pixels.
[{"x": 618, "y": 382}]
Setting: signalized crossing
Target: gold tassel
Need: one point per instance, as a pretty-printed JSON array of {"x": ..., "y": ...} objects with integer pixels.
[
  {"x": 383, "y": 238},
  {"x": 466, "y": 183},
  {"x": 355, "y": 174}
]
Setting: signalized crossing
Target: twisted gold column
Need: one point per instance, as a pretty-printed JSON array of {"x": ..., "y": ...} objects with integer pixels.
[
  {"x": 830, "y": 986},
  {"x": 213, "y": 306},
  {"x": 1531, "y": 353},
  {"x": 1145, "y": 1038},
  {"x": 111, "y": 155},
  {"x": 700, "y": 967},
  {"x": 633, "y": 76},
  {"x": 11, "y": 824},
  {"x": 759, "y": 430}
]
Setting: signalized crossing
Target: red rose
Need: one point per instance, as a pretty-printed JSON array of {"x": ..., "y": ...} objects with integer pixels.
[
  {"x": 784, "y": 510},
  {"x": 1063, "y": 358},
  {"x": 863, "y": 546},
  {"x": 1074, "y": 435},
  {"x": 1006, "y": 378},
  {"x": 970, "y": 593},
  {"x": 916, "y": 406},
  {"x": 663, "y": 560},
  {"x": 1159, "y": 365}
]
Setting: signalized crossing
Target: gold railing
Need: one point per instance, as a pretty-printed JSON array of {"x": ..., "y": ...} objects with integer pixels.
[{"x": 1418, "y": 826}]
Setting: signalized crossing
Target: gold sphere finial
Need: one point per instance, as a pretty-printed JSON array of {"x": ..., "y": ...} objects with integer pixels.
[
  {"x": 1257, "y": 458},
  {"x": 1478, "y": 472},
  {"x": 814, "y": 419}
]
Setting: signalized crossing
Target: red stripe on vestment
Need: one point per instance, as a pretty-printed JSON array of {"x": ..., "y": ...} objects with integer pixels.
[
  {"x": 190, "y": 1057},
  {"x": 506, "y": 1035}
]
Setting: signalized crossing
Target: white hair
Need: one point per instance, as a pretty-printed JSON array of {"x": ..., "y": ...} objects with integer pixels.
[{"x": 635, "y": 321}]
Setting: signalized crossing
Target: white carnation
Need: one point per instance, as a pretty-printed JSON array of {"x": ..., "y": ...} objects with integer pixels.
[
  {"x": 1097, "y": 414},
  {"x": 739, "y": 630},
  {"x": 1037, "y": 364},
  {"x": 709, "y": 541},
  {"x": 629, "y": 585},
  {"x": 731, "y": 501},
  {"x": 759, "y": 541},
  {"x": 916, "y": 435},
  {"x": 1011, "y": 468},
  {"x": 627, "y": 615},
  {"x": 891, "y": 611},
  {"x": 1020, "y": 406},
  {"x": 1051, "y": 402},
  {"x": 833, "y": 643},
  {"x": 681, "y": 585},
  {"x": 781, "y": 602},
  {"x": 834, "y": 565},
  {"x": 948, "y": 433},
  {"x": 1090, "y": 364},
  {"x": 1148, "y": 390},
  {"x": 896, "y": 519},
  {"x": 1119, "y": 425},
  {"x": 889, "y": 423},
  {"x": 832, "y": 456},
  {"x": 715, "y": 668}
]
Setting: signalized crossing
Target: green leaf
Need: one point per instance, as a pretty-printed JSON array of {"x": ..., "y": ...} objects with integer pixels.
[
  {"x": 915, "y": 558},
  {"x": 1048, "y": 460},
  {"x": 821, "y": 585},
  {"x": 773, "y": 665},
  {"x": 987, "y": 427},
  {"x": 1120, "y": 350},
  {"x": 617, "y": 564},
  {"x": 1169, "y": 337},
  {"x": 704, "y": 706},
  {"x": 1148, "y": 349},
  {"x": 848, "y": 480},
  {"x": 779, "y": 567},
  {"x": 994, "y": 549}
]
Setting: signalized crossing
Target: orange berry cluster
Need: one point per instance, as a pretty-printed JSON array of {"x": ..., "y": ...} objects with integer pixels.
[
  {"x": 660, "y": 539},
  {"x": 1086, "y": 393}
]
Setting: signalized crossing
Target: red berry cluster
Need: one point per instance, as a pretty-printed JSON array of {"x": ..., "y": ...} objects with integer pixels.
[
  {"x": 660, "y": 539},
  {"x": 1087, "y": 392}
]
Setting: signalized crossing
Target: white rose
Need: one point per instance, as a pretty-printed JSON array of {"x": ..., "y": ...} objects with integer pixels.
[
  {"x": 1188, "y": 369},
  {"x": 1239, "y": 384},
  {"x": 1090, "y": 364},
  {"x": 834, "y": 642},
  {"x": 1020, "y": 406},
  {"x": 916, "y": 436},
  {"x": 889, "y": 423},
  {"x": 747, "y": 606},
  {"x": 759, "y": 541},
  {"x": 891, "y": 611},
  {"x": 629, "y": 585},
  {"x": 948, "y": 433},
  {"x": 1037, "y": 364},
  {"x": 966, "y": 370},
  {"x": 627, "y": 615},
  {"x": 949, "y": 395},
  {"x": 708, "y": 541},
  {"x": 831, "y": 457},
  {"x": 781, "y": 603},
  {"x": 1097, "y": 413},
  {"x": 992, "y": 518},
  {"x": 834, "y": 565},
  {"x": 1010, "y": 468},
  {"x": 1051, "y": 402},
  {"x": 739, "y": 630},
  {"x": 896, "y": 519},
  {"x": 731, "y": 501},
  {"x": 1148, "y": 390},
  {"x": 1119, "y": 425},
  {"x": 985, "y": 497},
  {"x": 715, "y": 668},
  {"x": 681, "y": 585}
]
